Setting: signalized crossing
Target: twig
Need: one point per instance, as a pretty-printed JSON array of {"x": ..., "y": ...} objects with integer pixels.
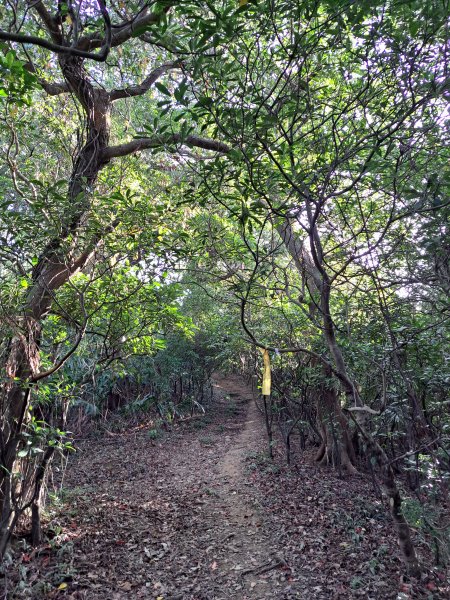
[{"x": 265, "y": 567}]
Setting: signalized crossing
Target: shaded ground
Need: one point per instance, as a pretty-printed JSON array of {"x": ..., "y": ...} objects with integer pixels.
[{"x": 202, "y": 514}]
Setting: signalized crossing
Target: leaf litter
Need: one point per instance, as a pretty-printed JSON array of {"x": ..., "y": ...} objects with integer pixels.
[{"x": 204, "y": 515}]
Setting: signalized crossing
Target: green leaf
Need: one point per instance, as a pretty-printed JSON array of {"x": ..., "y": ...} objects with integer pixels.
[{"x": 162, "y": 88}]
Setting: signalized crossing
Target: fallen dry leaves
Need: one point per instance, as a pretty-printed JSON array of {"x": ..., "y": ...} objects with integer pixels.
[{"x": 203, "y": 515}]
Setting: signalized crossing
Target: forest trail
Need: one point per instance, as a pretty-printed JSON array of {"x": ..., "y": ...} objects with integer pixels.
[
  {"x": 175, "y": 518},
  {"x": 201, "y": 513},
  {"x": 251, "y": 551}
]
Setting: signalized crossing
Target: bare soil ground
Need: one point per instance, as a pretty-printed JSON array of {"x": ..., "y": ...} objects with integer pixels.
[{"x": 202, "y": 514}]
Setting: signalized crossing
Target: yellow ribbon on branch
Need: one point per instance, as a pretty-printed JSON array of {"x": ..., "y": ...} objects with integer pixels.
[{"x": 266, "y": 373}]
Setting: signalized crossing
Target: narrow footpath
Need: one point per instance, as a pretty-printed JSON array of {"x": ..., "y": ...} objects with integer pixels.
[
  {"x": 172, "y": 518},
  {"x": 247, "y": 553},
  {"x": 200, "y": 513}
]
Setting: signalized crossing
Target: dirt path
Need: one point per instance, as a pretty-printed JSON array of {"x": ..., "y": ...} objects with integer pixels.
[
  {"x": 200, "y": 513},
  {"x": 169, "y": 519},
  {"x": 248, "y": 552}
]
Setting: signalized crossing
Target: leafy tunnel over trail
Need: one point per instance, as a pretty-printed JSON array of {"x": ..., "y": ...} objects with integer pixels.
[{"x": 183, "y": 184}]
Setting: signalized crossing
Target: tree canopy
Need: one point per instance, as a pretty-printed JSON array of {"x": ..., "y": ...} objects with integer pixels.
[{"x": 184, "y": 184}]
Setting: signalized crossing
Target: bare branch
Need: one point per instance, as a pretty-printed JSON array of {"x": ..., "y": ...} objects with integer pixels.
[
  {"x": 364, "y": 408},
  {"x": 140, "y": 90},
  {"x": 65, "y": 358},
  {"x": 54, "y": 89},
  {"x": 43, "y": 43},
  {"x": 122, "y": 33},
  {"x": 57, "y": 46},
  {"x": 162, "y": 141},
  {"x": 50, "y": 22}
]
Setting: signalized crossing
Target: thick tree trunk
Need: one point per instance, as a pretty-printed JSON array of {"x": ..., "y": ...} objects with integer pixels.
[
  {"x": 22, "y": 363},
  {"x": 336, "y": 448},
  {"x": 59, "y": 261},
  {"x": 310, "y": 267}
]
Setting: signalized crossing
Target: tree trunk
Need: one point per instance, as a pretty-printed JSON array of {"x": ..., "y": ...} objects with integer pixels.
[
  {"x": 333, "y": 421},
  {"x": 58, "y": 262},
  {"x": 310, "y": 267},
  {"x": 336, "y": 448},
  {"x": 268, "y": 417},
  {"x": 22, "y": 362}
]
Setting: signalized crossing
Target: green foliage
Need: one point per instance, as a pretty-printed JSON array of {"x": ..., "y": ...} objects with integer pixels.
[
  {"x": 16, "y": 82},
  {"x": 39, "y": 434},
  {"x": 154, "y": 434},
  {"x": 334, "y": 115}
]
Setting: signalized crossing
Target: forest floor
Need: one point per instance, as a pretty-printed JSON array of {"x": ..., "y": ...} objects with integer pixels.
[{"x": 201, "y": 513}]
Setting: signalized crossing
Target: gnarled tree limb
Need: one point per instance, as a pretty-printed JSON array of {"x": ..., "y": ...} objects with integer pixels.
[
  {"x": 57, "y": 48},
  {"x": 122, "y": 33},
  {"x": 141, "y": 89},
  {"x": 161, "y": 141},
  {"x": 54, "y": 89},
  {"x": 51, "y": 24},
  {"x": 54, "y": 30}
]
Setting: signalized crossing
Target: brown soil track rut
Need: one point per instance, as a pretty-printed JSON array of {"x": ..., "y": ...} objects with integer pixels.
[{"x": 253, "y": 550}]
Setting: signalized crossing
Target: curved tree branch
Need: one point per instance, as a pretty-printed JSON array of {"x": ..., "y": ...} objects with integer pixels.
[
  {"x": 50, "y": 22},
  {"x": 139, "y": 90},
  {"x": 64, "y": 359},
  {"x": 124, "y": 32},
  {"x": 34, "y": 40},
  {"x": 57, "y": 46},
  {"x": 54, "y": 89},
  {"x": 161, "y": 141}
]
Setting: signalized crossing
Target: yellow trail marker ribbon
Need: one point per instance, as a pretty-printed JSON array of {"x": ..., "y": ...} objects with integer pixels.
[{"x": 266, "y": 373}]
